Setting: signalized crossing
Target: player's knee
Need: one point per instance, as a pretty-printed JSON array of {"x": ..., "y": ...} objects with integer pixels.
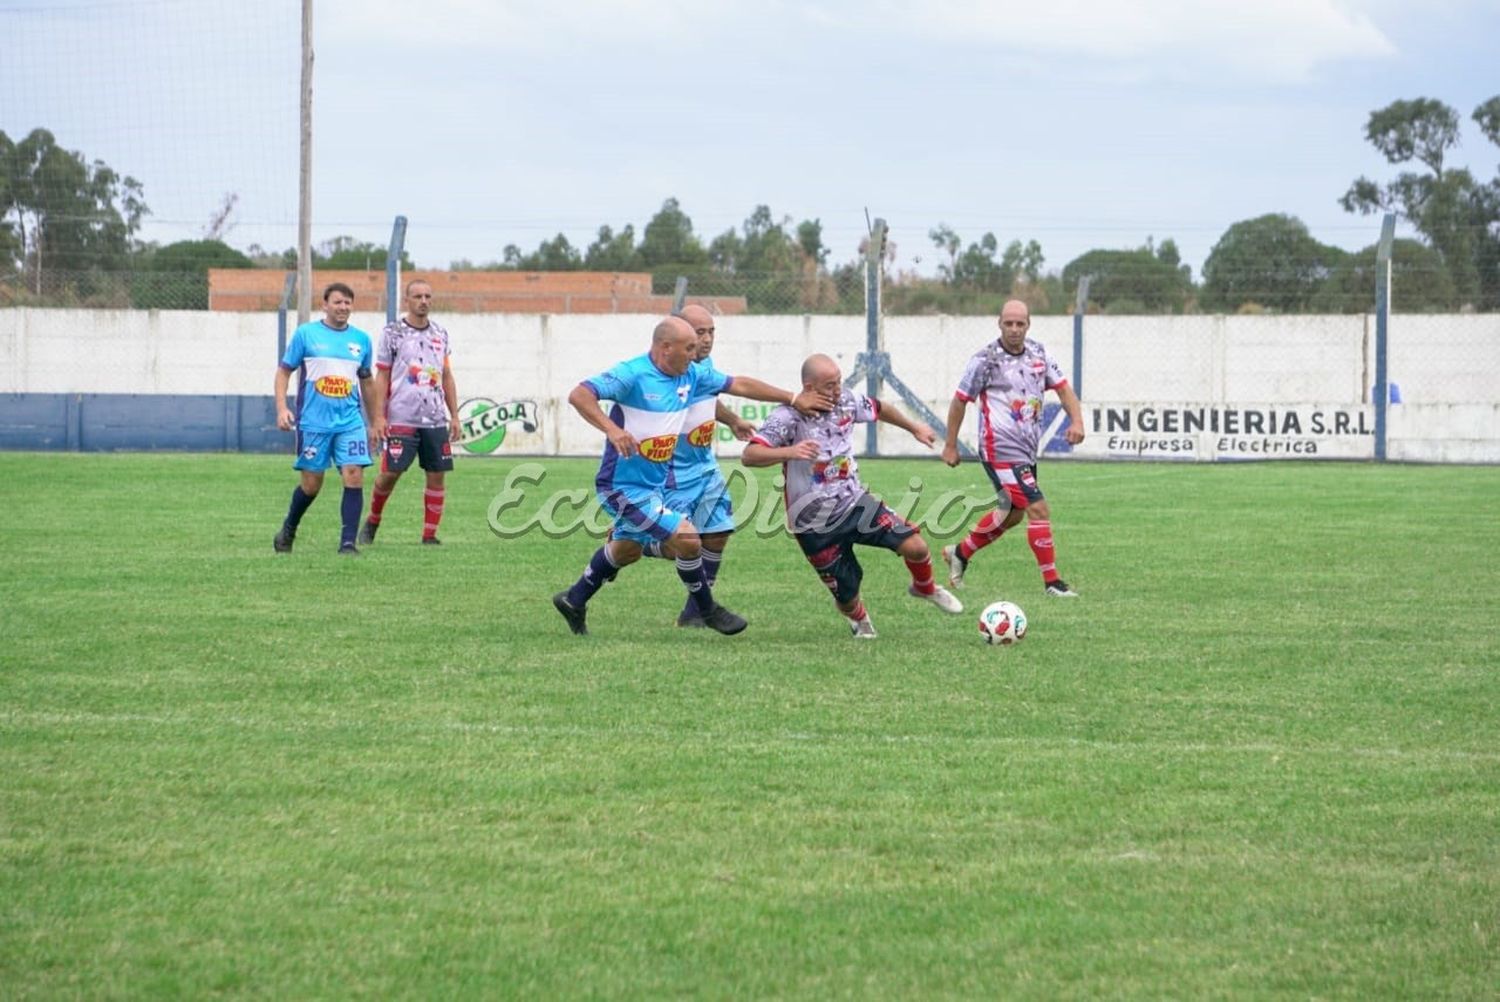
[
  {"x": 623, "y": 552},
  {"x": 915, "y": 548},
  {"x": 1038, "y": 511}
]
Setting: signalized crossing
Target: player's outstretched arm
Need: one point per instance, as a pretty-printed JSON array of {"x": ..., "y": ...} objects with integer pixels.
[
  {"x": 1074, "y": 408},
  {"x": 587, "y": 405},
  {"x": 806, "y": 402},
  {"x": 892, "y": 415},
  {"x": 760, "y": 454},
  {"x": 956, "y": 409},
  {"x": 741, "y": 428}
]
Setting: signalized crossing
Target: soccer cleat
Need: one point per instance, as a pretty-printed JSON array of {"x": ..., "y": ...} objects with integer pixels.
[
  {"x": 956, "y": 566},
  {"x": 284, "y": 540},
  {"x": 1060, "y": 589},
  {"x": 940, "y": 597},
  {"x": 431, "y": 541},
  {"x": 348, "y": 550},
  {"x": 724, "y": 621},
  {"x": 861, "y": 629},
  {"x": 575, "y": 617},
  {"x": 367, "y": 532},
  {"x": 691, "y": 620}
]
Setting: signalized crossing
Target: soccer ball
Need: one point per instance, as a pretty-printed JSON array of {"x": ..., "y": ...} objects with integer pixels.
[{"x": 1002, "y": 623}]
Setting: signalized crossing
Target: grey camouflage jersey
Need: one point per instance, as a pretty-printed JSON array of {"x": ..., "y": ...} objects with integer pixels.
[
  {"x": 819, "y": 491},
  {"x": 1009, "y": 389},
  {"x": 415, "y": 357}
]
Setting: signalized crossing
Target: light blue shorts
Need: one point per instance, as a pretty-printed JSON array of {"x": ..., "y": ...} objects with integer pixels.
[
  {"x": 640, "y": 515},
  {"x": 706, "y": 504},
  {"x": 318, "y": 450}
]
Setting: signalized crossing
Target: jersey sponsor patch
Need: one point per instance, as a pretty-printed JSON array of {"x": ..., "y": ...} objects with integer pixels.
[
  {"x": 702, "y": 435},
  {"x": 659, "y": 448},
  {"x": 334, "y": 386},
  {"x": 837, "y": 468}
]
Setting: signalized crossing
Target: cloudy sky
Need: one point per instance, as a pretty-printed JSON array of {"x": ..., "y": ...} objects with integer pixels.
[{"x": 1077, "y": 123}]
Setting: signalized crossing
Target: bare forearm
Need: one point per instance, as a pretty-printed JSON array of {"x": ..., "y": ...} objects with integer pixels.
[
  {"x": 450, "y": 394},
  {"x": 956, "y": 410},
  {"x": 587, "y": 406},
  {"x": 283, "y": 381},
  {"x": 893, "y": 415},
  {"x": 753, "y": 389},
  {"x": 765, "y": 455},
  {"x": 1071, "y": 404}
]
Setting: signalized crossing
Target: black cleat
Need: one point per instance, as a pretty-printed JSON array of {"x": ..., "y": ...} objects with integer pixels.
[
  {"x": 284, "y": 540},
  {"x": 348, "y": 550},
  {"x": 431, "y": 541},
  {"x": 691, "y": 620},
  {"x": 575, "y": 617},
  {"x": 724, "y": 621},
  {"x": 367, "y": 532}
]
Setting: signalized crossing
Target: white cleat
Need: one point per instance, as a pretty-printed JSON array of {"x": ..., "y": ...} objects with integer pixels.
[
  {"x": 862, "y": 629},
  {"x": 956, "y": 566},
  {"x": 940, "y": 597},
  {"x": 1060, "y": 589}
]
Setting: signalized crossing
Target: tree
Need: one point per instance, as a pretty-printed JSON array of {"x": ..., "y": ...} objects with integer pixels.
[
  {"x": 63, "y": 213},
  {"x": 613, "y": 252},
  {"x": 1457, "y": 214},
  {"x": 1270, "y": 261},
  {"x": 175, "y": 277},
  {"x": 1420, "y": 282},
  {"x": 1149, "y": 279},
  {"x": 668, "y": 240},
  {"x": 344, "y": 253}
]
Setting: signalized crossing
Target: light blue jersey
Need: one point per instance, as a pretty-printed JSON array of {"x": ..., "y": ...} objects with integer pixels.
[
  {"x": 694, "y": 461},
  {"x": 651, "y": 406},
  {"x": 332, "y": 363}
]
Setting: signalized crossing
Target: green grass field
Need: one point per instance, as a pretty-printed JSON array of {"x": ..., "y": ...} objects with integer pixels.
[{"x": 1257, "y": 759}]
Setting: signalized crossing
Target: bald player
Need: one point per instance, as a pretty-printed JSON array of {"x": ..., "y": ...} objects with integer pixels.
[
  {"x": 1008, "y": 378},
  {"x": 650, "y": 395},
  {"x": 827, "y": 508}
]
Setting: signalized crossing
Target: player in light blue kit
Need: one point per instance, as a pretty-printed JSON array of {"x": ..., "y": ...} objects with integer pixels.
[
  {"x": 333, "y": 418},
  {"x": 651, "y": 395},
  {"x": 695, "y": 484}
]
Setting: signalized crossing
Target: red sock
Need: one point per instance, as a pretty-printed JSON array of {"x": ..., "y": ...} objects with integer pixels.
[
  {"x": 985, "y": 532},
  {"x": 858, "y": 613},
  {"x": 378, "y": 498},
  {"x": 921, "y": 576},
  {"x": 434, "y": 502},
  {"x": 1039, "y": 535}
]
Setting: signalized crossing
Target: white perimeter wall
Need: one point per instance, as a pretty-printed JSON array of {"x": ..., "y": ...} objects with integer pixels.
[{"x": 1447, "y": 367}]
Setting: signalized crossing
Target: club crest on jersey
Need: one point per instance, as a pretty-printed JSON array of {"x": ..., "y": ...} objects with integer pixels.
[
  {"x": 682, "y": 393},
  {"x": 354, "y": 349}
]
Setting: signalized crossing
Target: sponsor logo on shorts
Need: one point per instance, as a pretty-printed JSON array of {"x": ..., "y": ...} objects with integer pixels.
[{"x": 311, "y": 452}]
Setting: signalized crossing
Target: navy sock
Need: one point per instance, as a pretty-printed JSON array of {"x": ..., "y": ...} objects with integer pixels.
[
  {"x": 353, "y": 504},
  {"x": 700, "y": 598},
  {"x": 300, "y": 500},
  {"x": 600, "y": 571},
  {"x": 710, "y": 560}
]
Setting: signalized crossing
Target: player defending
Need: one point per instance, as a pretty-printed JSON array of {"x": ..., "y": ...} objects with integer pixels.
[
  {"x": 827, "y": 508},
  {"x": 650, "y": 394},
  {"x": 416, "y": 409},
  {"x": 1009, "y": 377},
  {"x": 695, "y": 485},
  {"x": 333, "y": 415}
]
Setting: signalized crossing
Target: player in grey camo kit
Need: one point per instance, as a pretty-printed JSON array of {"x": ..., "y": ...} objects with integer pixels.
[
  {"x": 828, "y": 510},
  {"x": 1008, "y": 379},
  {"x": 416, "y": 409}
]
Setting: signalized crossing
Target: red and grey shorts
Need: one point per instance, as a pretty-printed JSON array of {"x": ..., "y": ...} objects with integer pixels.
[
  {"x": 831, "y": 550},
  {"x": 430, "y": 446},
  {"x": 1016, "y": 482}
]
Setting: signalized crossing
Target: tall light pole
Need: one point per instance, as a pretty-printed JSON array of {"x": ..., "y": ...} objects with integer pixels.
[{"x": 304, "y": 184}]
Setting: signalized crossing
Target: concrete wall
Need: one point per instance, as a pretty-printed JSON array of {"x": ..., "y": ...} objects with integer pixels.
[{"x": 1199, "y": 387}]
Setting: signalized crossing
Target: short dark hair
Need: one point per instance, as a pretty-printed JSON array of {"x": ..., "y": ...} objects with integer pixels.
[
  {"x": 417, "y": 281},
  {"x": 338, "y": 287}
]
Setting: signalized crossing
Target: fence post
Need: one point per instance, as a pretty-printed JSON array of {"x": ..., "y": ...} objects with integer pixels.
[
  {"x": 393, "y": 268},
  {"x": 1382, "y": 320},
  {"x": 874, "y": 252},
  {"x": 1079, "y": 308}
]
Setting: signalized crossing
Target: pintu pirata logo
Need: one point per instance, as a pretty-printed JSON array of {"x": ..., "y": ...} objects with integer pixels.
[{"x": 484, "y": 422}]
